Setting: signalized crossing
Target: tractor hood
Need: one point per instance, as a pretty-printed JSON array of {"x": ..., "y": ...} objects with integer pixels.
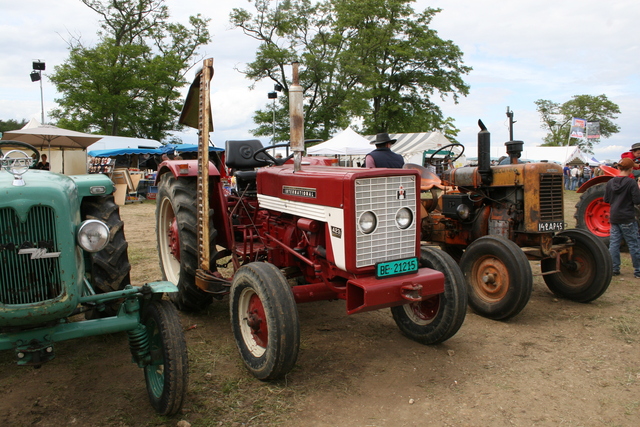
[{"x": 319, "y": 185}]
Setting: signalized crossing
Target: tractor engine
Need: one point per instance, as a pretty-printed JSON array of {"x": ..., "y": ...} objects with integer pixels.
[
  {"x": 341, "y": 220},
  {"x": 517, "y": 201}
]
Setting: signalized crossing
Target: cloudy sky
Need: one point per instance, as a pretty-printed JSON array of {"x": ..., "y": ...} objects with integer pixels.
[{"x": 520, "y": 51}]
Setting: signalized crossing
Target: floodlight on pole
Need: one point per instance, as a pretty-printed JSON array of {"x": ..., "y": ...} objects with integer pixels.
[{"x": 36, "y": 75}]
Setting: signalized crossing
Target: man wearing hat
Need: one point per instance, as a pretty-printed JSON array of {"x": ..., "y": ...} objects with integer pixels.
[
  {"x": 382, "y": 156},
  {"x": 633, "y": 154},
  {"x": 622, "y": 193}
]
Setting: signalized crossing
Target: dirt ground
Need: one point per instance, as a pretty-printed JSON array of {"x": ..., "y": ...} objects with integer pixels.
[{"x": 557, "y": 363}]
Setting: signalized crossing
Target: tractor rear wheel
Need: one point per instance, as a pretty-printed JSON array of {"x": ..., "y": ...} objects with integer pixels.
[
  {"x": 592, "y": 213},
  {"x": 264, "y": 319},
  {"x": 584, "y": 276},
  {"x": 498, "y": 276},
  {"x": 108, "y": 269},
  {"x": 176, "y": 233},
  {"x": 439, "y": 317},
  {"x": 168, "y": 372}
]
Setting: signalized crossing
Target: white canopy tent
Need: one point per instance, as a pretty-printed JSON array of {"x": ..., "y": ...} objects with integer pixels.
[
  {"x": 561, "y": 155},
  {"x": 413, "y": 145},
  {"x": 346, "y": 143},
  {"x": 117, "y": 142}
]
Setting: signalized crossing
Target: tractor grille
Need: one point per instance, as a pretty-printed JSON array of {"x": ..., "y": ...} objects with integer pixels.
[
  {"x": 387, "y": 242},
  {"x": 28, "y": 278},
  {"x": 551, "y": 208}
]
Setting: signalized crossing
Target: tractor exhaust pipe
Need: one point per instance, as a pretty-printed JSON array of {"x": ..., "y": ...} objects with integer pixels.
[
  {"x": 484, "y": 154},
  {"x": 296, "y": 118}
]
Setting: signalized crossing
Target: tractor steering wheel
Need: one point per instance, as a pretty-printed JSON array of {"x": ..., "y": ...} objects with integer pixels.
[
  {"x": 10, "y": 145},
  {"x": 268, "y": 157},
  {"x": 455, "y": 144}
]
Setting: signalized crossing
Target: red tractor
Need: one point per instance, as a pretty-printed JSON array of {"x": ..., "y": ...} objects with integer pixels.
[
  {"x": 294, "y": 230},
  {"x": 592, "y": 213}
]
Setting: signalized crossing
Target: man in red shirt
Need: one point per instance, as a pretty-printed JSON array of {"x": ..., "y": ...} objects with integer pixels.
[{"x": 633, "y": 154}]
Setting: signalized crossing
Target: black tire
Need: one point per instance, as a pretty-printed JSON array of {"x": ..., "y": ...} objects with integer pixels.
[
  {"x": 176, "y": 234},
  {"x": 584, "y": 277},
  {"x": 438, "y": 318},
  {"x": 261, "y": 295},
  {"x": 167, "y": 376},
  {"x": 108, "y": 270},
  {"x": 498, "y": 276},
  {"x": 592, "y": 213}
]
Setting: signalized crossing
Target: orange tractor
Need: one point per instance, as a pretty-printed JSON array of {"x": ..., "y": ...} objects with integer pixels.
[{"x": 495, "y": 219}]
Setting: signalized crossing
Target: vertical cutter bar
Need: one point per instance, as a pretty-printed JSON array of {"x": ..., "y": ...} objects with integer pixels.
[{"x": 202, "y": 198}]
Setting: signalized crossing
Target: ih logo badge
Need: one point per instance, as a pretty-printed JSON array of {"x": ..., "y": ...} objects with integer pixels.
[
  {"x": 336, "y": 232},
  {"x": 401, "y": 195}
]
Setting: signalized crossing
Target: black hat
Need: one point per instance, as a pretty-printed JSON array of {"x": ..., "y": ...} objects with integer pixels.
[
  {"x": 382, "y": 138},
  {"x": 635, "y": 146}
]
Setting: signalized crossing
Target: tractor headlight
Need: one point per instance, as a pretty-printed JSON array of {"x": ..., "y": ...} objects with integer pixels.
[
  {"x": 404, "y": 218},
  {"x": 93, "y": 235},
  {"x": 463, "y": 211},
  {"x": 367, "y": 222}
]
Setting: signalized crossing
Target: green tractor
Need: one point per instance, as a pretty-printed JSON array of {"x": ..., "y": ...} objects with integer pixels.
[{"x": 64, "y": 274}]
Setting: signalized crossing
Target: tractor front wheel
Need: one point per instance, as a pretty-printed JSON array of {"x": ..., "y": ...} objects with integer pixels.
[
  {"x": 168, "y": 371},
  {"x": 264, "y": 318},
  {"x": 498, "y": 276},
  {"x": 439, "y": 317},
  {"x": 583, "y": 276}
]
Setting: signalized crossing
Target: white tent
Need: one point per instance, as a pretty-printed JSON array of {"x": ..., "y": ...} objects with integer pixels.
[
  {"x": 346, "y": 142},
  {"x": 413, "y": 145},
  {"x": 561, "y": 155},
  {"x": 116, "y": 142}
]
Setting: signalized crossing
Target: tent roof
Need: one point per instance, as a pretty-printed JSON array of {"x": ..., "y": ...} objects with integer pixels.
[
  {"x": 346, "y": 142},
  {"x": 124, "y": 151},
  {"x": 187, "y": 148},
  {"x": 117, "y": 142},
  {"x": 409, "y": 144},
  {"x": 561, "y": 155}
]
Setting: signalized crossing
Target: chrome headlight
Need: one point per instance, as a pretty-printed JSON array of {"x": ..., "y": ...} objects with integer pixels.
[
  {"x": 367, "y": 222},
  {"x": 93, "y": 235},
  {"x": 404, "y": 218},
  {"x": 463, "y": 211}
]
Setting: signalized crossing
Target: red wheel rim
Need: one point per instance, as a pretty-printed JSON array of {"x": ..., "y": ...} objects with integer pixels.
[
  {"x": 596, "y": 217},
  {"x": 426, "y": 310},
  {"x": 174, "y": 239},
  {"x": 257, "y": 321}
]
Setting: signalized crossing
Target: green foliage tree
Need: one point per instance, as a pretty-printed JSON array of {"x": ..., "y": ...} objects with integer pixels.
[
  {"x": 372, "y": 61},
  {"x": 556, "y": 119},
  {"x": 128, "y": 83},
  {"x": 11, "y": 124}
]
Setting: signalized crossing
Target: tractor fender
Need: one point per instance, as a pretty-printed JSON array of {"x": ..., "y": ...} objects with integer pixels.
[
  {"x": 162, "y": 286},
  {"x": 594, "y": 181},
  {"x": 178, "y": 169}
]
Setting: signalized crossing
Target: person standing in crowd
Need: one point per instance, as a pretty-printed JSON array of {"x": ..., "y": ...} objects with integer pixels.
[
  {"x": 566, "y": 174},
  {"x": 575, "y": 174},
  {"x": 633, "y": 154},
  {"x": 43, "y": 164},
  {"x": 622, "y": 193},
  {"x": 586, "y": 174},
  {"x": 382, "y": 156}
]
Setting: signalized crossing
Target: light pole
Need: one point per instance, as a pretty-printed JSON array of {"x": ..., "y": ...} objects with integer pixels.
[
  {"x": 273, "y": 95},
  {"x": 36, "y": 75}
]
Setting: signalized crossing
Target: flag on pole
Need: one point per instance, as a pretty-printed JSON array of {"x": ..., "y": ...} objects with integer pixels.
[
  {"x": 578, "y": 127},
  {"x": 593, "y": 130}
]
